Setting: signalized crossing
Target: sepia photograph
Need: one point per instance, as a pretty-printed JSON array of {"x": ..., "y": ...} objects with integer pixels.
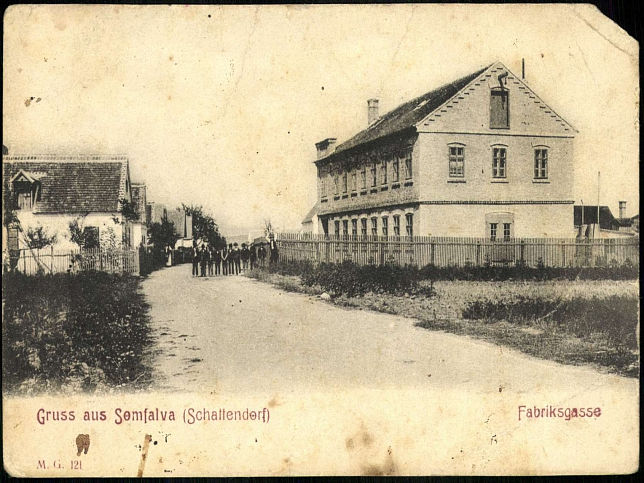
[{"x": 319, "y": 240}]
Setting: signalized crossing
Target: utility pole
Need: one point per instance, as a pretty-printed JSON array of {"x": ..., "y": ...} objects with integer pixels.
[{"x": 598, "y": 179}]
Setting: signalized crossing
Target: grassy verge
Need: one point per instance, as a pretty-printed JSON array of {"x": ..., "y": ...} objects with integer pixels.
[
  {"x": 571, "y": 322},
  {"x": 82, "y": 332}
]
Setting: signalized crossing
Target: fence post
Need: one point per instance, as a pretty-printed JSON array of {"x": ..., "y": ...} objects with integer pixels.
[
  {"x": 478, "y": 253},
  {"x": 432, "y": 248},
  {"x": 563, "y": 253},
  {"x": 51, "y": 264},
  {"x": 522, "y": 252}
]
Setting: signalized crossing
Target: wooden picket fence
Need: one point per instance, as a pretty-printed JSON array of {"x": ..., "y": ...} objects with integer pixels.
[
  {"x": 458, "y": 251},
  {"x": 48, "y": 260}
]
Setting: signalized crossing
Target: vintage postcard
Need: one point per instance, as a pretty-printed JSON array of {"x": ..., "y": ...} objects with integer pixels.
[{"x": 319, "y": 240}]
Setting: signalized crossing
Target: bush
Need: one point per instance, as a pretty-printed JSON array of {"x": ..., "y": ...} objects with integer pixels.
[
  {"x": 615, "y": 317},
  {"x": 626, "y": 271},
  {"x": 83, "y": 329},
  {"x": 350, "y": 279}
]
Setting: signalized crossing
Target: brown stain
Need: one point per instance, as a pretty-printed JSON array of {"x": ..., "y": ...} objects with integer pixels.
[
  {"x": 274, "y": 402},
  {"x": 350, "y": 444},
  {"x": 82, "y": 444},
  {"x": 387, "y": 468},
  {"x": 171, "y": 58}
]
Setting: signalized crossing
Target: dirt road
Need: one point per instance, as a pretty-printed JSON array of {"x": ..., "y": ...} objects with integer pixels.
[{"x": 234, "y": 334}]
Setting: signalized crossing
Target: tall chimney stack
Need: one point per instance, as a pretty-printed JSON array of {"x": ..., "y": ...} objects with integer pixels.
[
  {"x": 372, "y": 111},
  {"x": 622, "y": 209}
]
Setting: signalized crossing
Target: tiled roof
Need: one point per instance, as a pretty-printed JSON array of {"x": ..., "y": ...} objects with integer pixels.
[
  {"x": 78, "y": 184},
  {"x": 408, "y": 114},
  {"x": 312, "y": 212}
]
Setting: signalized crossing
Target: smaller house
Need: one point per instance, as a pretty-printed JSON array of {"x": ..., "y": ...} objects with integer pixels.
[
  {"x": 182, "y": 226},
  {"x": 54, "y": 191},
  {"x": 585, "y": 216},
  {"x": 310, "y": 221},
  {"x": 139, "y": 225}
]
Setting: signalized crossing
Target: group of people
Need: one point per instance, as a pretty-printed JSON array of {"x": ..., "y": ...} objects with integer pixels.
[{"x": 230, "y": 260}]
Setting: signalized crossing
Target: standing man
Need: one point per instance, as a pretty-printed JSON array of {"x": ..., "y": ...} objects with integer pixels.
[
  {"x": 211, "y": 260},
  {"x": 195, "y": 260},
  {"x": 262, "y": 255},
  {"x": 217, "y": 259},
  {"x": 237, "y": 258},
  {"x": 252, "y": 256},
  {"x": 224, "y": 260},
  {"x": 272, "y": 246},
  {"x": 245, "y": 255},
  {"x": 203, "y": 259},
  {"x": 231, "y": 259}
]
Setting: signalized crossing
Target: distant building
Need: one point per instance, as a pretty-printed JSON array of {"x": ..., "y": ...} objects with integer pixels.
[
  {"x": 480, "y": 156},
  {"x": 310, "y": 222},
  {"x": 182, "y": 226},
  {"x": 53, "y": 191},
  {"x": 585, "y": 220},
  {"x": 139, "y": 226}
]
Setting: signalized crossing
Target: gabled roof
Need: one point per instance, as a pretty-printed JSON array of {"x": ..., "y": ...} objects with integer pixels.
[
  {"x": 408, "y": 114},
  {"x": 606, "y": 219},
  {"x": 72, "y": 184},
  {"x": 312, "y": 212}
]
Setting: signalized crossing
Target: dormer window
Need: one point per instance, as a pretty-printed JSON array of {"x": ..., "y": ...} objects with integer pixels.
[
  {"x": 26, "y": 189},
  {"x": 499, "y": 108}
]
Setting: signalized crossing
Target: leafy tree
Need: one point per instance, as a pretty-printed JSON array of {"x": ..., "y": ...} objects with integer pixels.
[
  {"x": 162, "y": 234},
  {"x": 84, "y": 237},
  {"x": 39, "y": 238},
  {"x": 204, "y": 227}
]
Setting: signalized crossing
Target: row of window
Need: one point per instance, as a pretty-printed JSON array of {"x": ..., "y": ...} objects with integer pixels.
[
  {"x": 383, "y": 172},
  {"x": 370, "y": 226},
  {"x": 499, "y": 162}
]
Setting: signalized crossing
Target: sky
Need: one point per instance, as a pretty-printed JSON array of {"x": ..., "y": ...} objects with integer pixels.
[{"x": 221, "y": 106}]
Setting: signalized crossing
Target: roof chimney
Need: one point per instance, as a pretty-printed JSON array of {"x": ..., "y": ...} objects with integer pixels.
[
  {"x": 622, "y": 209},
  {"x": 372, "y": 111},
  {"x": 325, "y": 147}
]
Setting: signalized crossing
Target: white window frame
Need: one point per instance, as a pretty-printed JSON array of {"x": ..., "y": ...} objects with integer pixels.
[{"x": 456, "y": 154}]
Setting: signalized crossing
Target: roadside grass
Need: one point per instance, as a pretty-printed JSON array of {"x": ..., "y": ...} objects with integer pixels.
[
  {"x": 73, "y": 332},
  {"x": 572, "y": 322}
]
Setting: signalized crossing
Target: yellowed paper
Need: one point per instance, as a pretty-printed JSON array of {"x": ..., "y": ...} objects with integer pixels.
[{"x": 221, "y": 106}]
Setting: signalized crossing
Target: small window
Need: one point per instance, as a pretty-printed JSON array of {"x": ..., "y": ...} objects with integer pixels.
[
  {"x": 541, "y": 163},
  {"x": 396, "y": 225},
  {"x": 493, "y": 227},
  {"x": 336, "y": 184},
  {"x": 395, "y": 170},
  {"x": 498, "y": 162},
  {"x": 499, "y": 108},
  {"x": 374, "y": 226},
  {"x": 506, "y": 231},
  {"x": 91, "y": 237},
  {"x": 12, "y": 239},
  {"x": 409, "y": 219},
  {"x": 363, "y": 226},
  {"x": 374, "y": 174},
  {"x": 363, "y": 177},
  {"x": 354, "y": 227},
  {"x": 408, "y": 166},
  {"x": 383, "y": 172},
  {"x": 336, "y": 225},
  {"x": 385, "y": 226},
  {"x": 354, "y": 181},
  {"x": 24, "y": 200},
  {"x": 456, "y": 161},
  {"x": 345, "y": 227},
  {"x": 323, "y": 187},
  {"x": 344, "y": 182}
]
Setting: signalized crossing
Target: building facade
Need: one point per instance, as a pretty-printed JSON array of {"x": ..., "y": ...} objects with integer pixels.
[
  {"x": 482, "y": 156},
  {"x": 52, "y": 191}
]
